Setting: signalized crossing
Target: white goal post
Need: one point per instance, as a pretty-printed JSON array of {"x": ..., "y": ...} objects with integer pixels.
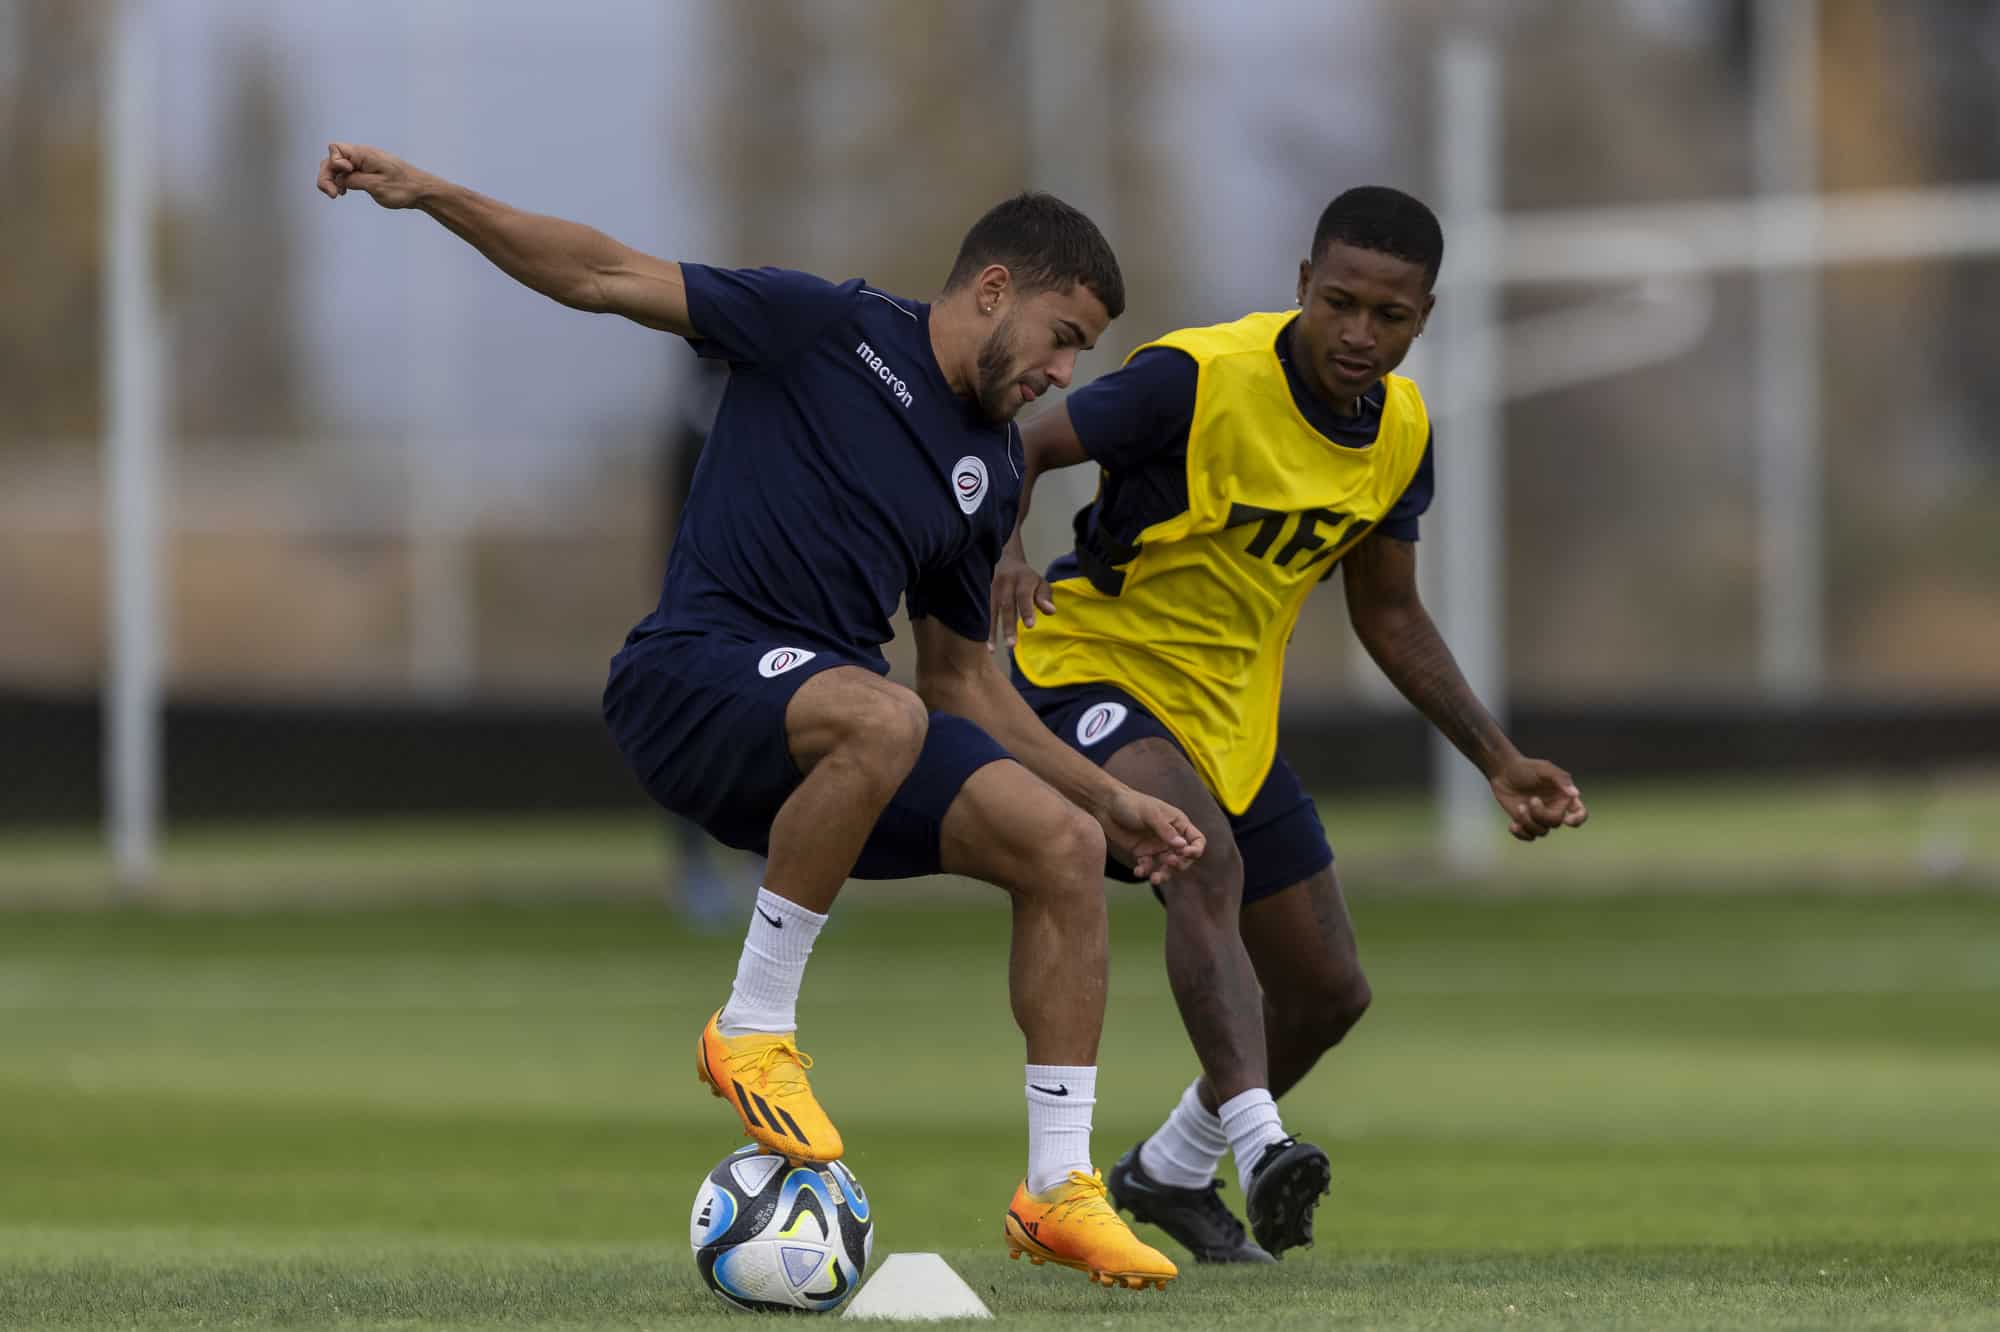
[{"x": 134, "y": 429}]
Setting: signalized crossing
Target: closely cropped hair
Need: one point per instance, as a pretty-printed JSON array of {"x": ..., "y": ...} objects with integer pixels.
[
  {"x": 1047, "y": 245},
  {"x": 1375, "y": 217}
]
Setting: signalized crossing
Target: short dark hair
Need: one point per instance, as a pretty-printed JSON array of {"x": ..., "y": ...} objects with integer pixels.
[
  {"x": 1045, "y": 244},
  {"x": 1375, "y": 217}
]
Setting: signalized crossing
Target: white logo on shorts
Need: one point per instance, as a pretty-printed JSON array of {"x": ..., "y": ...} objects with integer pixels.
[
  {"x": 968, "y": 482},
  {"x": 1098, "y": 721},
  {"x": 779, "y": 660}
]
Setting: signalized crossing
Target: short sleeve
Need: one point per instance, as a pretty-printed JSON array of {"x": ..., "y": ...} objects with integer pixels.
[
  {"x": 959, "y": 597},
  {"x": 759, "y": 315},
  {"x": 1401, "y": 522},
  {"x": 1139, "y": 411}
]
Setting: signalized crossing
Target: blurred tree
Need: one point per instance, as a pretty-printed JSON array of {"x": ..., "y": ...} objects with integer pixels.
[
  {"x": 869, "y": 134},
  {"x": 234, "y": 370},
  {"x": 50, "y": 100},
  {"x": 52, "y": 92},
  {"x": 1913, "y": 471},
  {"x": 1152, "y": 247},
  {"x": 237, "y": 354}
]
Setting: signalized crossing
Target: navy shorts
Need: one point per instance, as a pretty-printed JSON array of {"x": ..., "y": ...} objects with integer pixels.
[
  {"x": 1279, "y": 837},
  {"x": 700, "y": 717}
]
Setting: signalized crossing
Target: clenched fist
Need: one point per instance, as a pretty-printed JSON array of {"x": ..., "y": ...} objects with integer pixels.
[
  {"x": 1539, "y": 798},
  {"x": 383, "y": 177}
]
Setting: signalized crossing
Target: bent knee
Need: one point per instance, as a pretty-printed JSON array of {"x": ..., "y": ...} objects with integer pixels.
[
  {"x": 1212, "y": 887},
  {"x": 1069, "y": 849},
  {"x": 883, "y": 728},
  {"x": 1322, "y": 1015}
]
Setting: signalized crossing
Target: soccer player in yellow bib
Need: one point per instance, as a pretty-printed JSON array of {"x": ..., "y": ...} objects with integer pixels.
[{"x": 1240, "y": 466}]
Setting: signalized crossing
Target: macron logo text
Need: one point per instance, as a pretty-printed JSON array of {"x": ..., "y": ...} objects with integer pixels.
[{"x": 885, "y": 374}]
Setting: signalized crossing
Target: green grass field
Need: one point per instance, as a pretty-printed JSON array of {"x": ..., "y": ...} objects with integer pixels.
[
  {"x": 1696, "y": 1108},
  {"x": 1865, "y": 834}
]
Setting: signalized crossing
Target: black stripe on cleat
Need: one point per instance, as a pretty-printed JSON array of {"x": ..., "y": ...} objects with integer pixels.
[
  {"x": 793, "y": 1125},
  {"x": 743, "y": 1104}
]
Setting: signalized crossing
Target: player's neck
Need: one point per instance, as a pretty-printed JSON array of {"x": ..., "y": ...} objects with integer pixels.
[{"x": 956, "y": 334}]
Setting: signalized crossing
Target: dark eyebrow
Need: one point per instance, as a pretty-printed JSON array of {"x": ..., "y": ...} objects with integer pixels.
[{"x": 1391, "y": 306}]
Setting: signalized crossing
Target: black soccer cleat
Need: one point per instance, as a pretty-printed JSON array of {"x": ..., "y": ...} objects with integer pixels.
[
  {"x": 1290, "y": 1179},
  {"x": 1194, "y": 1217}
]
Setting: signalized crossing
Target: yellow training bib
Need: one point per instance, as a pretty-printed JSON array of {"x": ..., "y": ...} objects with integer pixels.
[{"x": 1192, "y": 618}]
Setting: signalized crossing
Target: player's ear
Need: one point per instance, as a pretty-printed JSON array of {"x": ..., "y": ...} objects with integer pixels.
[
  {"x": 1424, "y": 315},
  {"x": 1305, "y": 278},
  {"x": 992, "y": 282}
]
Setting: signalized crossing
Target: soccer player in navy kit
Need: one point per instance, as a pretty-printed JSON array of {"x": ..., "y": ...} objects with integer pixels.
[{"x": 864, "y": 454}]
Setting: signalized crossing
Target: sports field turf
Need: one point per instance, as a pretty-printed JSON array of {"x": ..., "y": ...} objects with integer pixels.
[
  {"x": 1856, "y": 833},
  {"x": 1700, "y": 1108}
]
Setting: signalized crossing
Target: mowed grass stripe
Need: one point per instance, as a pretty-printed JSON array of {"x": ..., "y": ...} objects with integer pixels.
[
  {"x": 1854, "y": 831},
  {"x": 1679, "y": 1110},
  {"x": 142, "y": 1163}
]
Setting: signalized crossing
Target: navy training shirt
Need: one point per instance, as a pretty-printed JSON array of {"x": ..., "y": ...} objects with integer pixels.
[
  {"x": 1134, "y": 423},
  {"x": 842, "y": 474}
]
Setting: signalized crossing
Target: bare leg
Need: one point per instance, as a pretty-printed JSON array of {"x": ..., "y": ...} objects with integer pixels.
[
  {"x": 1314, "y": 991},
  {"x": 1009, "y": 828},
  {"x": 856, "y": 736},
  {"x": 1213, "y": 980}
]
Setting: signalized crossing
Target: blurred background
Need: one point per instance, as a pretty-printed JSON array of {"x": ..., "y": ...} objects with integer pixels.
[
  {"x": 307, "y": 514},
  {"x": 317, "y": 533}
]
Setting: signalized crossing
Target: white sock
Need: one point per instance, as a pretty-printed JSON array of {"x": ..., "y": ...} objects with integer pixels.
[
  {"x": 765, "y": 997},
  {"x": 1251, "y": 1122},
  {"x": 1060, "y": 1099},
  {"x": 1186, "y": 1150}
]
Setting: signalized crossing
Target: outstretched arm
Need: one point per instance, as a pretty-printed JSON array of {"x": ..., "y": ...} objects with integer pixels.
[
  {"x": 954, "y": 675},
  {"x": 1047, "y": 443},
  {"x": 1389, "y": 617},
  {"x": 577, "y": 265}
]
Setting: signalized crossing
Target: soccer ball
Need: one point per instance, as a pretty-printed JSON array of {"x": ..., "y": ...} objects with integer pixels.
[{"x": 776, "y": 1237}]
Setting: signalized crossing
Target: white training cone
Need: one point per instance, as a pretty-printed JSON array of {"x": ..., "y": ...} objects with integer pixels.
[{"x": 916, "y": 1286}]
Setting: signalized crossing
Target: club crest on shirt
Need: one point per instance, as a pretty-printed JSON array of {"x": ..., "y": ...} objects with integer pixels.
[
  {"x": 779, "y": 660},
  {"x": 1098, "y": 721},
  {"x": 968, "y": 482}
]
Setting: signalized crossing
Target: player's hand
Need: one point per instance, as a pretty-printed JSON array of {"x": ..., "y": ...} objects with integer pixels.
[
  {"x": 1539, "y": 798},
  {"x": 383, "y": 177},
  {"x": 1018, "y": 590},
  {"x": 1152, "y": 836}
]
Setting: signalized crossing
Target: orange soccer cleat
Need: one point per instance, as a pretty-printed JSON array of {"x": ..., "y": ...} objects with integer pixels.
[
  {"x": 1074, "y": 1225},
  {"x": 764, "y": 1078}
]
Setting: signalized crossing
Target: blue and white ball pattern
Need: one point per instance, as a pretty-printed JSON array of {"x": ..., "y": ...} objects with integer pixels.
[{"x": 773, "y": 1236}]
